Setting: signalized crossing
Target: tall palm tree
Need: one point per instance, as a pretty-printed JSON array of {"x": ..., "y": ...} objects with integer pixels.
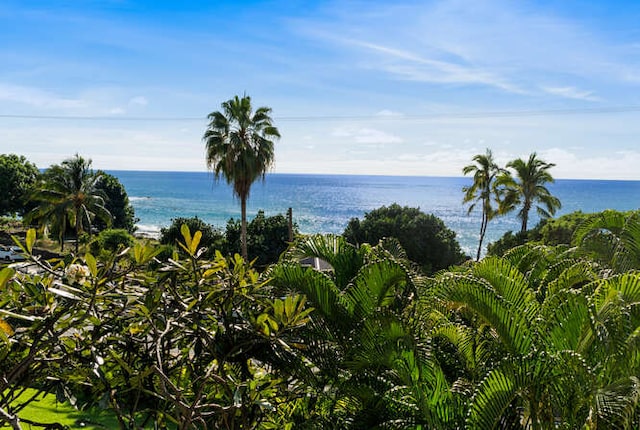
[
  {"x": 483, "y": 190},
  {"x": 239, "y": 146},
  {"x": 70, "y": 193},
  {"x": 527, "y": 188}
]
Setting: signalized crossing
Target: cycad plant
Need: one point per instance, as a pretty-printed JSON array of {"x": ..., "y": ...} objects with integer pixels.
[
  {"x": 612, "y": 238},
  {"x": 565, "y": 340},
  {"x": 371, "y": 368}
]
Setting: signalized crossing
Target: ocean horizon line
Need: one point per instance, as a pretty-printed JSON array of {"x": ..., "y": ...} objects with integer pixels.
[{"x": 350, "y": 175}]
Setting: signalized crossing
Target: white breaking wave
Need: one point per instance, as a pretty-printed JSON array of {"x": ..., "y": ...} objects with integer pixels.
[{"x": 147, "y": 231}]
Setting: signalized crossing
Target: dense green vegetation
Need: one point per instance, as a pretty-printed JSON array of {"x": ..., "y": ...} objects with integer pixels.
[
  {"x": 66, "y": 197},
  {"x": 544, "y": 337},
  {"x": 391, "y": 327},
  {"x": 425, "y": 238},
  {"x": 17, "y": 177},
  {"x": 116, "y": 202},
  {"x": 69, "y": 195},
  {"x": 267, "y": 237}
]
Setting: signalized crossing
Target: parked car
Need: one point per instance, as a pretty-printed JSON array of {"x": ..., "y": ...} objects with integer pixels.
[{"x": 11, "y": 253}]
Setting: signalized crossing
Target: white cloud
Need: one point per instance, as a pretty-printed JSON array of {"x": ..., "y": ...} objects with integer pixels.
[
  {"x": 139, "y": 101},
  {"x": 36, "y": 97},
  {"x": 366, "y": 135},
  {"x": 575, "y": 165},
  {"x": 385, "y": 113},
  {"x": 571, "y": 93}
]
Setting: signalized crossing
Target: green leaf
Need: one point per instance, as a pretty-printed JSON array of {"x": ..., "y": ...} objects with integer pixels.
[
  {"x": 195, "y": 242},
  {"x": 91, "y": 264},
  {"x": 5, "y": 275},
  {"x": 143, "y": 253},
  {"x": 30, "y": 239},
  {"x": 186, "y": 234}
]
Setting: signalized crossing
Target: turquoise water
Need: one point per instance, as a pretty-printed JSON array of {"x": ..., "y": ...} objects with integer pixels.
[{"x": 325, "y": 203}]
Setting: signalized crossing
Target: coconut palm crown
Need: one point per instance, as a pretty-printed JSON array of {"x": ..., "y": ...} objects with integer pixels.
[
  {"x": 483, "y": 190},
  {"x": 526, "y": 188},
  {"x": 239, "y": 146},
  {"x": 70, "y": 193}
]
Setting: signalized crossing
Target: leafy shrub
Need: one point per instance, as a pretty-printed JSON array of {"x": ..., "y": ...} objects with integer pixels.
[
  {"x": 212, "y": 238},
  {"x": 506, "y": 242},
  {"x": 17, "y": 177},
  {"x": 425, "y": 238},
  {"x": 549, "y": 231},
  {"x": 267, "y": 237},
  {"x": 117, "y": 203},
  {"x": 112, "y": 240}
]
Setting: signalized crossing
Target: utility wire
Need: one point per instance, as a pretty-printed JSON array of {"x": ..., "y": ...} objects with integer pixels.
[{"x": 398, "y": 117}]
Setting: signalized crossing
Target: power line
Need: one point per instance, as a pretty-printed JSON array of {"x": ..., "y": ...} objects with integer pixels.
[{"x": 398, "y": 117}]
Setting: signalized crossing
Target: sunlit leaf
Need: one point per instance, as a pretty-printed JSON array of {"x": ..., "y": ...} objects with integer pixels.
[
  {"x": 91, "y": 264},
  {"x": 30, "y": 239},
  {"x": 5, "y": 275}
]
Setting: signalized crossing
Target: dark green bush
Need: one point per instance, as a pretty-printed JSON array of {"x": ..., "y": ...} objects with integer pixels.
[
  {"x": 267, "y": 238},
  {"x": 112, "y": 240},
  {"x": 425, "y": 238},
  {"x": 212, "y": 238}
]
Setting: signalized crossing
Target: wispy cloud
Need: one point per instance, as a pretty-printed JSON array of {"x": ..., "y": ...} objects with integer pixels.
[
  {"x": 571, "y": 93},
  {"x": 138, "y": 101},
  {"x": 413, "y": 66},
  {"x": 38, "y": 98},
  {"x": 513, "y": 47},
  {"x": 366, "y": 135}
]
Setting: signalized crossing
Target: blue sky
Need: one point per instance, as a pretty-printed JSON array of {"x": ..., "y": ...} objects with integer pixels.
[{"x": 369, "y": 87}]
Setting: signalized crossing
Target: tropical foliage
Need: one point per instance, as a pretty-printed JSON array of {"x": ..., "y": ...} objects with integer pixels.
[
  {"x": 116, "y": 201},
  {"x": 371, "y": 367},
  {"x": 267, "y": 237},
  {"x": 335, "y": 335},
  {"x": 69, "y": 194},
  {"x": 239, "y": 147},
  {"x": 17, "y": 177},
  {"x": 566, "y": 337},
  {"x": 211, "y": 238},
  {"x": 195, "y": 344}
]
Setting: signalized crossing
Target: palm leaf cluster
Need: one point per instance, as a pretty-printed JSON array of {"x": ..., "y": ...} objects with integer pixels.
[
  {"x": 370, "y": 368},
  {"x": 69, "y": 195},
  {"x": 500, "y": 191},
  {"x": 567, "y": 339}
]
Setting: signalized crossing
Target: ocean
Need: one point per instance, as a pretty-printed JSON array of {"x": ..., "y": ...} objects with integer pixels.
[{"x": 326, "y": 203}]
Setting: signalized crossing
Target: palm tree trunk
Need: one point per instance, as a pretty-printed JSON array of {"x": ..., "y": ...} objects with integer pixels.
[
  {"x": 525, "y": 216},
  {"x": 243, "y": 227},
  {"x": 483, "y": 230},
  {"x": 77, "y": 232}
]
